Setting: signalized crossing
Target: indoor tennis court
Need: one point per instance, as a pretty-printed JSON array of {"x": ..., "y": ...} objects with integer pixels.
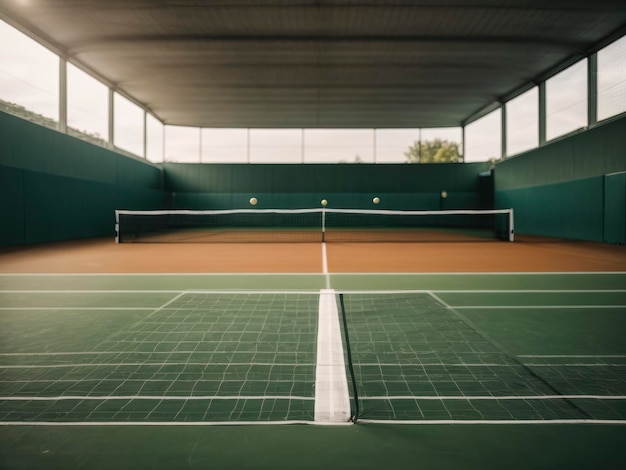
[
  {"x": 312, "y": 234},
  {"x": 461, "y": 358}
]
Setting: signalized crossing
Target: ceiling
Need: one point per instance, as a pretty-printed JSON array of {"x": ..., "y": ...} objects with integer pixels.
[{"x": 319, "y": 63}]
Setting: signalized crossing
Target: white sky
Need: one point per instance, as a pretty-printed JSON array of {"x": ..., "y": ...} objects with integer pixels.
[{"x": 29, "y": 76}]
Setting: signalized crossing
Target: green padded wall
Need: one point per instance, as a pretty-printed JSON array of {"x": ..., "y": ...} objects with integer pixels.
[
  {"x": 55, "y": 187},
  {"x": 615, "y": 208},
  {"x": 558, "y": 189},
  {"x": 400, "y": 186},
  {"x": 571, "y": 209}
]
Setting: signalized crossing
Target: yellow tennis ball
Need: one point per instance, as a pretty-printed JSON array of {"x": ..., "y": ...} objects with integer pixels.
[
  {"x": 324, "y": 202},
  {"x": 376, "y": 200},
  {"x": 253, "y": 201}
]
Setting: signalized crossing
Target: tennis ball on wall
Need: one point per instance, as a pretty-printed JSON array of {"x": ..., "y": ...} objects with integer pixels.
[
  {"x": 253, "y": 201},
  {"x": 376, "y": 200},
  {"x": 324, "y": 202}
]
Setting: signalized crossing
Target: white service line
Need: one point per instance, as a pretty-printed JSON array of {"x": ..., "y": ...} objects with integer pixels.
[
  {"x": 160, "y": 423},
  {"x": 156, "y": 398},
  {"x": 523, "y": 307},
  {"x": 496, "y": 398},
  {"x": 494, "y": 421}
]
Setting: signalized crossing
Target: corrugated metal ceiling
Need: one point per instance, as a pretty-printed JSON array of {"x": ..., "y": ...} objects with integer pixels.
[{"x": 320, "y": 63}]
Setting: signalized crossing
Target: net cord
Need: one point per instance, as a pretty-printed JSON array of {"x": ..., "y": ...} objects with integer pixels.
[
  {"x": 355, "y": 416},
  {"x": 324, "y": 211}
]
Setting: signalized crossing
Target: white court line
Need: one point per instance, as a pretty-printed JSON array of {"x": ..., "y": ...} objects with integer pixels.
[
  {"x": 292, "y": 422},
  {"x": 489, "y": 273},
  {"x": 332, "y": 401},
  {"x": 208, "y": 274},
  {"x": 496, "y": 398},
  {"x": 74, "y": 308},
  {"x": 251, "y": 292},
  {"x": 324, "y": 272},
  {"x": 164, "y": 423},
  {"x": 522, "y": 307},
  {"x": 572, "y": 355},
  {"x": 157, "y": 398},
  {"x": 480, "y": 364},
  {"x": 494, "y": 421},
  {"x": 90, "y": 291},
  {"x": 219, "y": 351},
  {"x": 80, "y": 353},
  {"x": 153, "y": 364},
  {"x": 480, "y": 291},
  {"x": 177, "y": 291}
]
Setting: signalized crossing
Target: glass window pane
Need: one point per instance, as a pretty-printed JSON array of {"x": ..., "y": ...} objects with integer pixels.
[
  {"x": 522, "y": 122},
  {"x": 275, "y": 145},
  {"x": 224, "y": 145},
  {"x": 483, "y": 140},
  {"x": 392, "y": 145},
  {"x": 338, "y": 145},
  {"x": 87, "y": 106},
  {"x": 441, "y": 145},
  {"x": 128, "y": 125},
  {"x": 29, "y": 78},
  {"x": 154, "y": 139},
  {"x": 182, "y": 144},
  {"x": 566, "y": 101},
  {"x": 612, "y": 79}
]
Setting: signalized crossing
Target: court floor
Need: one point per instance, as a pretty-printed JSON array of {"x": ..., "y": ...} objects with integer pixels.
[{"x": 221, "y": 370}]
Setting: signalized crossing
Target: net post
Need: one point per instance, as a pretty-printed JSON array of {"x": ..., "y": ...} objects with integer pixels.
[
  {"x": 511, "y": 227},
  {"x": 117, "y": 226}
]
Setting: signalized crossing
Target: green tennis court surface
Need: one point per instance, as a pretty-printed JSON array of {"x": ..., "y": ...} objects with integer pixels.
[{"x": 449, "y": 364}]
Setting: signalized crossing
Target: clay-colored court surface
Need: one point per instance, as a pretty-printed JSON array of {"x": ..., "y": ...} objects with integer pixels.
[
  {"x": 527, "y": 254},
  {"x": 462, "y": 355}
]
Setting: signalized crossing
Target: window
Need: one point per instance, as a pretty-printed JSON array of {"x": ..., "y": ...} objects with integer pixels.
[
  {"x": 338, "y": 145},
  {"x": 276, "y": 145},
  {"x": 522, "y": 122},
  {"x": 566, "y": 101},
  {"x": 224, "y": 145},
  {"x": 483, "y": 139},
  {"x": 87, "y": 106},
  {"x": 154, "y": 139},
  {"x": 612, "y": 79},
  {"x": 393, "y": 144},
  {"x": 29, "y": 78},
  {"x": 442, "y": 145},
  {"x": 128, "y": 124},
  {"x": 182, "y": 144}
]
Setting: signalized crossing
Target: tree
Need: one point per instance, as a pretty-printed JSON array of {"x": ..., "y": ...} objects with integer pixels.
[{"x": 433, "y": 151}]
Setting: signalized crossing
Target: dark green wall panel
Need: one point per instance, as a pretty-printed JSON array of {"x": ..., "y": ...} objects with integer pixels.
[
  {"x": 60, "y": 208},
  {"x": 55, "y": 187},
  {"x": 615, "y": 208},
  {"x": 11, "y": 206},
  {"x": 393, "y": 201},
  {"x": 325, "y": 178},
  {"x": 596, "y": 152},
  {"x": 557, "y": 190},
  {"x": 573, "y": 209},
  {"x": 32, "y": 147}
]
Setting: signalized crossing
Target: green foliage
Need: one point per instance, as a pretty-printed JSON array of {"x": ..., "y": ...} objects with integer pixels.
[{"x": 433, "y": 151}]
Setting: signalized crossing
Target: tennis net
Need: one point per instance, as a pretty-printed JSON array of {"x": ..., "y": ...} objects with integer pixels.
[{"x": 311, "y": 225}]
